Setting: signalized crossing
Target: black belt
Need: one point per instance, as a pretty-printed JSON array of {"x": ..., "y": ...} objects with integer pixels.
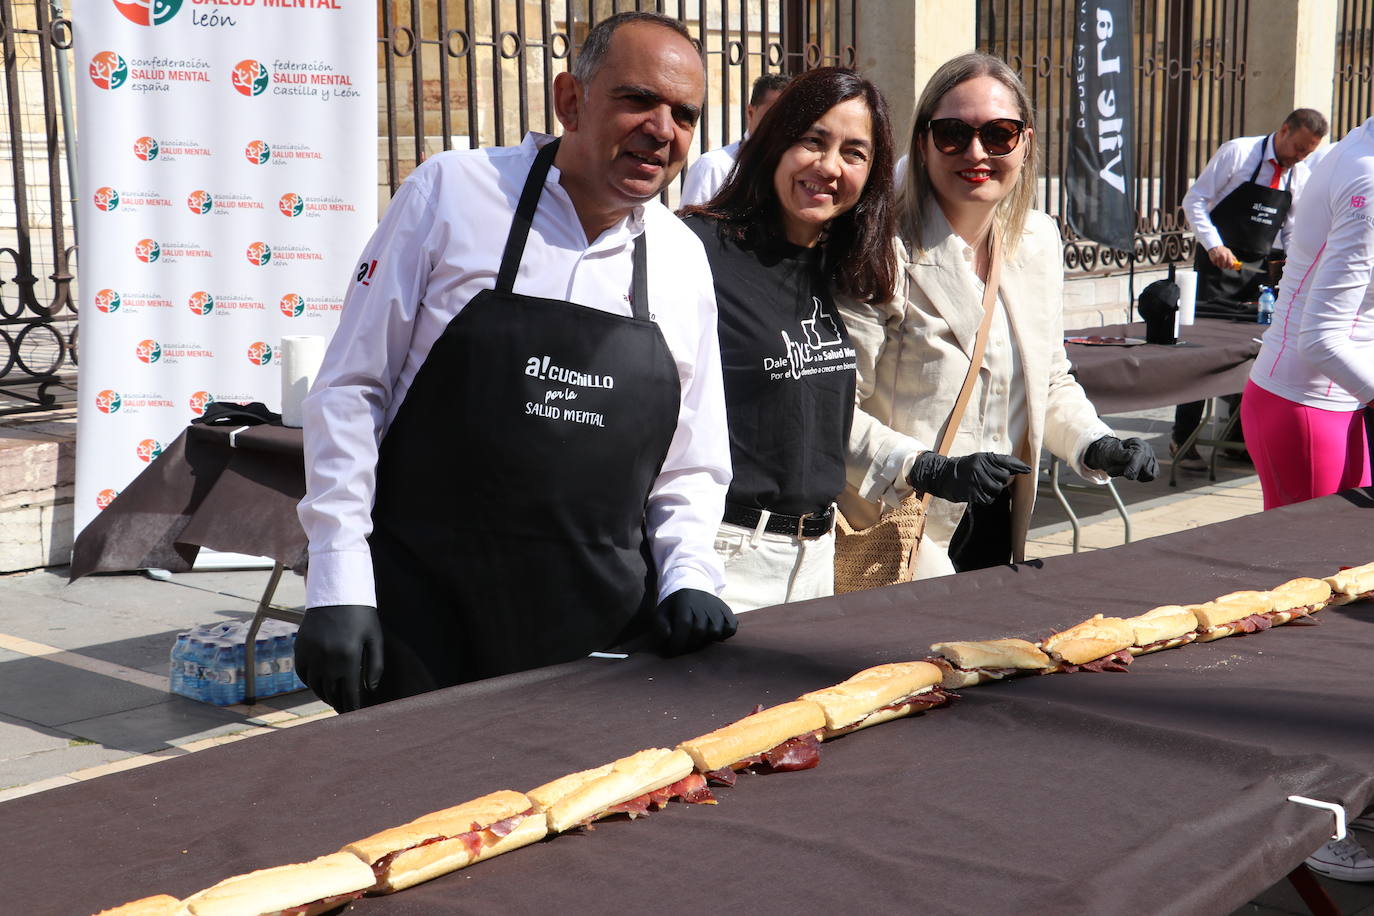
[{"x": 810, "y": 525}]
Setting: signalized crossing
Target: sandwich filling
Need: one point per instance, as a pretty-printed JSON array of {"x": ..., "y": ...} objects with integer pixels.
[
  {"x": 923, "y": 699},
  {"x": 322, "y": 905},
  {"x": 1157, "y": 645},
  {"x": 800, "y": 753},
  {"x": 474, "y": 841},
  {"x": 690, "y": 789},
  {"x": 1119, "y": 660}
]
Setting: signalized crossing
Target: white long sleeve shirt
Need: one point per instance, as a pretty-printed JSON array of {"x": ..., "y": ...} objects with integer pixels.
[
  {"x": 439, "y": 244},
  {"x": 1319, "y": 351},
  {"x": 707, "y": 175},
  {"x": 1234, "y": 163}
]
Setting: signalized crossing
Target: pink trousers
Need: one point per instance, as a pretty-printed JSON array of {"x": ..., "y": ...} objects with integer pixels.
[{"x": 1302, "y": 452}]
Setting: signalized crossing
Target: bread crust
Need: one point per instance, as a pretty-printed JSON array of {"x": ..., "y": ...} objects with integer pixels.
[
  {"x": 446, "y": 822},
  {"x": 993, "y": 653},
  {"x": 1349, "y": 584},
  {"x": 754, "y": 734},
  {"x": 423, "y": 863},
  {"x": 1301, "y": 592},
  {"x": 1165, "y": 622},
  {"x": 1090, "y": 640},
  {"x": 871, "y": 689},
  {"x": 1231, "y": 607},
  {"x": 271, "y": 889},
  {"x": 157, "y": 905},
  {"x": 569, "y": 802}
]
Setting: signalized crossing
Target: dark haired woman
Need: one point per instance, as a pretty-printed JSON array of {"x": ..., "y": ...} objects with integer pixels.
[{"x": 805, "y": 218}]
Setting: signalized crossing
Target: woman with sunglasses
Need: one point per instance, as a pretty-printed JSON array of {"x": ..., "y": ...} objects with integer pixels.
[
  {"x": 805, "y": 218},
  {"x": 964, "y": 203}
]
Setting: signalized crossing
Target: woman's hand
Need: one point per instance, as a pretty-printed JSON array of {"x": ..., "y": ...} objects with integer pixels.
[
  {"x": 1132, "y": 458},
  {"x": 978, "y": 478}
]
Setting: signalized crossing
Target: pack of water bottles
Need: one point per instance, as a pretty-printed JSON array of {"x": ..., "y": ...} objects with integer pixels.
[{"x": 207, "y": 663}]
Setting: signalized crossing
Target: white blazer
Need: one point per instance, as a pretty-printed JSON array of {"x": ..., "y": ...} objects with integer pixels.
[{"x": 913, "y": 354}]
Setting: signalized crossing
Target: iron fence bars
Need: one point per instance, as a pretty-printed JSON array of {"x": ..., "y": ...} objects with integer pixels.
[
  {"x": 1353, "y": 99},
  {"x": 1189, "y": 99},
  {"x": 38, "y": 313},
  {"x": 472, "y": 73}
]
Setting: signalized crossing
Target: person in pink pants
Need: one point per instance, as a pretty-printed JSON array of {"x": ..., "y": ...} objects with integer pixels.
[{"x": 1304, "y": 407}]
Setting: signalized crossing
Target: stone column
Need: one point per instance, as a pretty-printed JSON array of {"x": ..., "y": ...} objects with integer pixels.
[
  {"x": 901, "y": 42},
  {"x": 1290, "y": 61}
]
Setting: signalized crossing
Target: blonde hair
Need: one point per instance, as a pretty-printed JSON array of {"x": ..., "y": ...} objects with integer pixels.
[{"x": 916, "y": 191}]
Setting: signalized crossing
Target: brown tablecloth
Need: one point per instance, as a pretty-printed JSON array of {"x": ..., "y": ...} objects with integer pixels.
[
  {"x": 1159, "y": 790},
  {"x": 201, "y": 492},
  {"x": 1213, "y": 359}
]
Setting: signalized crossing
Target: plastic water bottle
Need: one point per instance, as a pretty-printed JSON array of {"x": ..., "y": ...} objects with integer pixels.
[
  {"x": 265, "y": 664},
  {"x": 176, "y": 667},
  {"x": 1265, "y": 315},
  {"x": 197, "y": 655},
  {"x": 224, "y": 674},
  {"x": 296, "y": 682}
]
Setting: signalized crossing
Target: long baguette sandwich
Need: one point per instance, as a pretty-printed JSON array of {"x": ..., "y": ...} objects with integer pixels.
[
  {"x": 878, "y": 694},
  {"x": 157, "y": 905},
  {"x": 630, "y": 786},
  {"x": 447, "y": 840},
  {"x": 1236, "y": 612},
  {"x": 966, "y": 664},
  {"x": 1352, "y": 584},
  {"x": 1097, "y": 644},
  {"x": 304, "y": 889},
  {"x": 785, "y": 737},
  {"x": 1297, "y": 598},
  {"x": 1166, "y": 627}
]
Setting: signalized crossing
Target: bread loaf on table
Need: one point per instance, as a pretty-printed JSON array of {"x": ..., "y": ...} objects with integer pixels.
[{"x": 314, "y": 887}]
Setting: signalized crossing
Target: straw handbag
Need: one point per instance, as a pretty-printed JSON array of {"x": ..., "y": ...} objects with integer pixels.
[{"x": 885, "y": 553}]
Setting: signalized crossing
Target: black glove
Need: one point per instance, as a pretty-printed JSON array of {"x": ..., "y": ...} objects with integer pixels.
[
  {"x": 689, "y": 618},
  {"x": 338, "y": 650},
  {"x": 978, "y": 478},
  {"x": 1132, "y": 458}
]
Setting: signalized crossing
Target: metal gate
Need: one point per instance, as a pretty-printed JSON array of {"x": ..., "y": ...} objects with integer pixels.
[
  {"x": 1354, "y": 94},
  {"x": 37, "y": 311},
  {"x": 1189, "y": 97},
  {"x": 470, "y": 73}
]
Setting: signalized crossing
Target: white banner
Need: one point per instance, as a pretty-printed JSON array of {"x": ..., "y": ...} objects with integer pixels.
[{"x": 228, "y": 180}]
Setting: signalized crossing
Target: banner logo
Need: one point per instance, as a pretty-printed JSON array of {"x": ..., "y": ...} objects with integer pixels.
[
  {"x": 201, "y": 303},
  {"x": 108, "y": 70},
  {"x": 201, "y": 400},
  {"x": 148, "y": 351},
  {"x": 147, "y": 251},
  {"x": 257, "y": 152},
  {"x": 148, "y": 449},
  {"x": 250, "y": 77},
  {"x": 260, "y": 353},
  {"x": 291, "y": 204},
  {"x": 259, "y": 253},
  {"x": 105, "y": 497},
  {"x": 106, "y": 199},
  {"x": 148, "y": 12},
  {"x": 293, "y": 305},
  {"x": 108, "y": 401},
  {"x": 107, "y": 300},
  {"x": 145, "y": 148},
  {"x": 200, "y": 202}
]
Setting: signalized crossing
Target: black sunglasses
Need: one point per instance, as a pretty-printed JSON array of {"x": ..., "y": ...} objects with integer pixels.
[{"x": 999, "y": 136}]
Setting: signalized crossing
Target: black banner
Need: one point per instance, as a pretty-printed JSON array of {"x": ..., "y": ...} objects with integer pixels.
[{"x": 1102, "y": 132}]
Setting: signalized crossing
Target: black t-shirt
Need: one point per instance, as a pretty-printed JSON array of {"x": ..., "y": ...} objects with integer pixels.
[{"x": 789, "y": 372}]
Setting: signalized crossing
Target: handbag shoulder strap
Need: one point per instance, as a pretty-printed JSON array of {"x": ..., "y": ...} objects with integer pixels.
[{"x": 979, "y": 346}]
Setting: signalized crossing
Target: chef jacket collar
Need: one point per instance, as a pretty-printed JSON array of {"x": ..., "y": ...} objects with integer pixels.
[{"x": 620, "y": 235}]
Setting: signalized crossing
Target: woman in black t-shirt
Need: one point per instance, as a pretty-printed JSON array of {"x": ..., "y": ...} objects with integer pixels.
[{"x": 805, "y": 216}]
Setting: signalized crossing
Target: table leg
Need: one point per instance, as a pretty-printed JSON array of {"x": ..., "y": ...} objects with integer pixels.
[
  {"x": 1064, "y": 502},
  {"x": 250, "y": 668},
  {"x": 1318, "y": 901},
  {"x": 1191, "y": 441}
]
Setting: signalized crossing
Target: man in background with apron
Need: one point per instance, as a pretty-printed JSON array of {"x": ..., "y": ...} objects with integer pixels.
[
  {"x": 1241, "y": 210},
  {"x": 516, "y": 449}
]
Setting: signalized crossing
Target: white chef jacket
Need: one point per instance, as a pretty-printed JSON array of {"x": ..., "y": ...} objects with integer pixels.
[
  {"x": 439, "y": 244},
  {"x": 707, "y": 175},
  {"x": 1319, "y": 350},
  {"x": 1233, "y": 164}
]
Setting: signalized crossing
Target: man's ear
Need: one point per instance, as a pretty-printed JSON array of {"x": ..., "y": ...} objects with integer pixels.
[{"x": 567, "y": 100}]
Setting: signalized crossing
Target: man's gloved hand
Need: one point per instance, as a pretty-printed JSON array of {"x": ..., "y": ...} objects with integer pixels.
[
  {"x": 689, "y": 619},
  {"x": 1132, "y": 458},
  {"x": 338, "y": 650},
  {"x": 978, "y": 478}
]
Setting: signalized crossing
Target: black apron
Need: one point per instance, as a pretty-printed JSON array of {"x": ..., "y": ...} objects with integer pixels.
[
  {"x": 1248, "y": 220},
  {"x": 512, "y": 484}
]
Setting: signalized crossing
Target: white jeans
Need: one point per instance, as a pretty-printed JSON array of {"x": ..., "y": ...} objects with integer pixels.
[{"x": 763, "y": 569}]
